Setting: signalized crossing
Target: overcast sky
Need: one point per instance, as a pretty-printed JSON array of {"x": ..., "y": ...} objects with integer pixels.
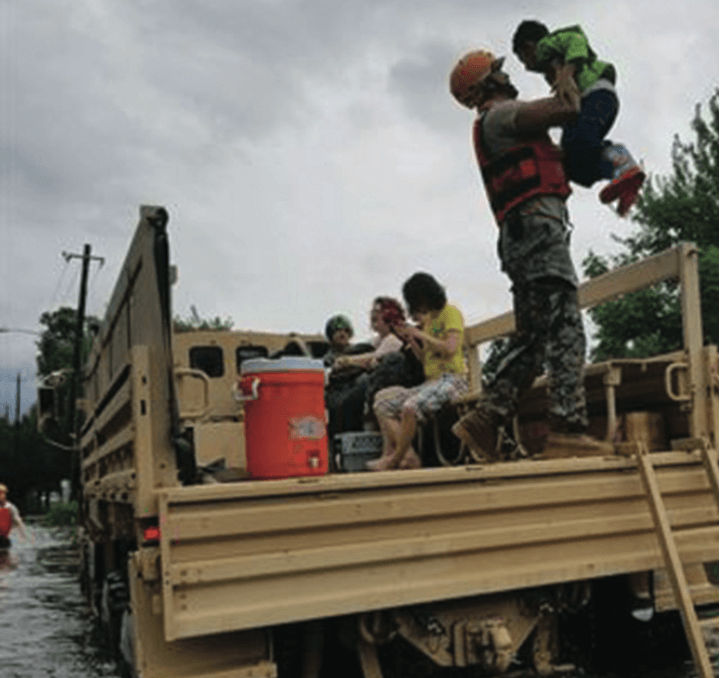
[{"x": 309, "y": 153}]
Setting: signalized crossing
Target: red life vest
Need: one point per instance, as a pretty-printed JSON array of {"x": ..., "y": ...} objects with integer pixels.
[
  {"x": 532, "y": 169},
  {"x": 6, "y": 521}
]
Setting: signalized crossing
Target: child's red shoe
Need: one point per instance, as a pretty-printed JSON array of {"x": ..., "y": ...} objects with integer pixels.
[
  {"x": 626, "y": 178},
  {"x": 625, "y": 187},
  {"x": 629, "y": 195}
]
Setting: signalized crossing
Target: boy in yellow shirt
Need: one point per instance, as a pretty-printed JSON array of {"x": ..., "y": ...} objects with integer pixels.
[{"x": 438, "y": 344}]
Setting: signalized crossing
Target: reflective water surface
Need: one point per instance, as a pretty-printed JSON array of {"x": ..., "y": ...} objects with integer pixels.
[{"x": 45, "y": 631}]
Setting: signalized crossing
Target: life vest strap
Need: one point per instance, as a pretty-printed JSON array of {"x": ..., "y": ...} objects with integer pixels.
[{"x": 532, "y": 169}]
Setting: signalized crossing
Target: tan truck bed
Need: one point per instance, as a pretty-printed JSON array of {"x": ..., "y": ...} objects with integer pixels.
[{"x": 247, "y": 555}]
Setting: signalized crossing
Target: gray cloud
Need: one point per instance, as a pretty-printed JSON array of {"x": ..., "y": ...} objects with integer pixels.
[
  {"x": 422, "y": 82},
  {"x": 308, "y": 151}
]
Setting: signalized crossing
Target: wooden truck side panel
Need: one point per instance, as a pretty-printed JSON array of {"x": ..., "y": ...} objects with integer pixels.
[
  {"x": 126, "y": 442},
  {"x": 244, "y": 556}
]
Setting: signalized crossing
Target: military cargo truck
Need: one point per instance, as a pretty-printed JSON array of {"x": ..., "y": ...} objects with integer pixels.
[{"x": 420, "y": 572}]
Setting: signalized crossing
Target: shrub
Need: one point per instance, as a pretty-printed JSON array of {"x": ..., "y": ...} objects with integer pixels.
[{"x": 62, "y": 514}]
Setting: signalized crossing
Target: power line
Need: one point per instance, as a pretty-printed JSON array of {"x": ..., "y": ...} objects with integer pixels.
[
  {"x": 72, "y": 284},
  {"x": 57, "y": 286},
  {"x": 92, "y": 290}
]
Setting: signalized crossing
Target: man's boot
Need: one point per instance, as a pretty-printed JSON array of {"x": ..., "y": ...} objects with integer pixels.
[
  {"x": 626, "y": 179},
  {"x": 479, "y": 431},
  {"x": 563, "y": 445}
]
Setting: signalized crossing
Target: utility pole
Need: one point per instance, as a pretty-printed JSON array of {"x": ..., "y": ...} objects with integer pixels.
[
  {"x": 17, "y": 403},
  {"x": 77, "y": 346},
  {"x": 16, "y": 432}
]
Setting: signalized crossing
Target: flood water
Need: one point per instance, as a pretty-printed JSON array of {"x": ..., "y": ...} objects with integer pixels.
[{"x": 45, "y": 631}]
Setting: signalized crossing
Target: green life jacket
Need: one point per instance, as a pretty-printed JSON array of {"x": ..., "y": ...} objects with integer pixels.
[{"x": 570, "y": 45}]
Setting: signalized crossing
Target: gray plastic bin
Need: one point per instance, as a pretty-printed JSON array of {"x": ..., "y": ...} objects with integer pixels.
[{"x": 353, "y": 450}]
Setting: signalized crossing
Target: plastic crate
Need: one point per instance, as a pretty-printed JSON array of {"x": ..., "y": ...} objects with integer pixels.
[{"x": 352, "y": 451}]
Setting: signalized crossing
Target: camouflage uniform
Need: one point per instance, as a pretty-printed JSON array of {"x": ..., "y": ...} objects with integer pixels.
[{"x": 534, "y": 252}]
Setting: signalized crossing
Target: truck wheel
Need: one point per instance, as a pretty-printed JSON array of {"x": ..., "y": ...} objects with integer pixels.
[
  {"x": 315, "y": 650},
  {"x": 114, "y": 602},
  {"x": 288, "y": 642},
  {"x": 84, "y": 577},
  {"x": 126, "y": 659}
]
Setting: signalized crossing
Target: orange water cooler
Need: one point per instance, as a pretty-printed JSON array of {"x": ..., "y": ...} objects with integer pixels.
[{"x": 284, "y": 417}]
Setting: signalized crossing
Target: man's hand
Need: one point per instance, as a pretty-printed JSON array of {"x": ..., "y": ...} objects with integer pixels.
[
  {"x": 565, "y": 87},
  {"x": 567, "y": 91}
]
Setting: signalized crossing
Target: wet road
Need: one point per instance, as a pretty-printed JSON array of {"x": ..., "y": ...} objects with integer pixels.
[{"x": 44, "y": 629}]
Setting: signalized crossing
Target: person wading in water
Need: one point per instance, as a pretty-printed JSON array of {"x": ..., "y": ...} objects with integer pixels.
[{"x": 9, "y": 518}]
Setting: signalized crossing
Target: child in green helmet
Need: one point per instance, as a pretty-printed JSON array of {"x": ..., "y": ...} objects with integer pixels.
[
  {"x": 579, "y": 77},
  {"x": 339, "y": 332}
]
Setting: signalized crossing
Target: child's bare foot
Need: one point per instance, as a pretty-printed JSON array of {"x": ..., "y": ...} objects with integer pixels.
[
  {"x": 410, "y": 460},
  {"x": 381, "y": 464}
]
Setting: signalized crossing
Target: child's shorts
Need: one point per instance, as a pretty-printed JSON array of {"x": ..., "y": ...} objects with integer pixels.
[{"x": 425, "y": 399}]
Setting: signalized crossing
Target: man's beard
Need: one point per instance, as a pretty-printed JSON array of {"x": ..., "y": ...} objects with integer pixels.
[
  {"x": 511, "y": 90},
  {"x": 501, "y": 83}
]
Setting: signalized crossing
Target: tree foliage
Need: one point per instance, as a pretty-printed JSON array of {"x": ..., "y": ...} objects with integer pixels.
[
  {"x": 32, "y": 465},
  {"x": 682, "y": 207},
  {"x": 55, "y": 357},
  {"x": 196, "y": 324},
  {"x": 29, "y": 466},
  {"x": 58, "y": 339}
]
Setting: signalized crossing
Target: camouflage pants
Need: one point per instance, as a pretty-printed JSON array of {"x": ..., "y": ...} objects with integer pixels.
[
  {"x": 535, "y": 253},
  {"x": 549, "y": 336}
]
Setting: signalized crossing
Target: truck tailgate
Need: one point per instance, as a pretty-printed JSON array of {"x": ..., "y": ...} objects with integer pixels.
[{"x": 257, "y": 553}]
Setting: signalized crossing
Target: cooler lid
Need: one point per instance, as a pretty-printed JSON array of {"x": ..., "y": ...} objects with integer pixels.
[{"x": 286, "y": 364}]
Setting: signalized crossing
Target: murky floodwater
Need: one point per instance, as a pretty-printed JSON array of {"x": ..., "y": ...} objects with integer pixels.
[{"x": 45, "y": 631}]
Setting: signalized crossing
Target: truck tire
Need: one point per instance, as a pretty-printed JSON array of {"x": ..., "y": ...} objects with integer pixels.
[
  {"x": 114, "y": 602},
  {"x": 126, "y": 659}
]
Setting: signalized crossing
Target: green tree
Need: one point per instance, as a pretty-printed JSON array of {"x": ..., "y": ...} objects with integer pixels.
[
  {"x": 29, "y": 466},
  {"x": 52, "y": 458},
  {"x": 682, "y": 207},
  {"x": 57, "y": 340},
  {"x": 55, "y": 357},
  {"x": 196, "y": 324}
]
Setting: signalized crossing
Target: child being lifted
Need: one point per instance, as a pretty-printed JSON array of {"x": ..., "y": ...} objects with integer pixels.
[{"x": 576, "y": 74}]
